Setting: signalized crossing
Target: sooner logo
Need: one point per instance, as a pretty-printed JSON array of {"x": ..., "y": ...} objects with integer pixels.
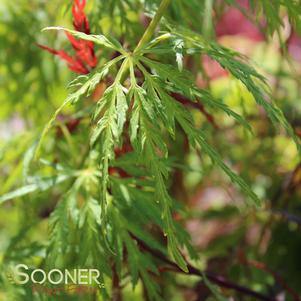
[{"x": 23, "y": 275}]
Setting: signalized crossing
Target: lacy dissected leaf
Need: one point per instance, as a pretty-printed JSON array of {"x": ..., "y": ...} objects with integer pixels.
[
  {"x": 142, "y": 123},
  {"x": 232, "y": 61},
  {"x": 271, "y": 11},
  {"x": 40, "y": 184},
  {"x": 113, "y": 107},
  {"x": 140, "y": 264},
  {"x": 85, "y": 90},
  {"x": 138, "y": 207},
  {"x": 196, "y": 137},
  {"x": 60, "y": 229},
  {"x": 153, "y": 147},
  {"x": 93, "y": 248},
  {"x": 183, "y": 83},
  {"x": 108, "y": 42},
  {"x": 177, "y": 112}
]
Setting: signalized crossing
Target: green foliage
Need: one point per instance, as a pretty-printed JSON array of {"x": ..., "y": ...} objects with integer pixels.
[{"x": 104, "y": 201}]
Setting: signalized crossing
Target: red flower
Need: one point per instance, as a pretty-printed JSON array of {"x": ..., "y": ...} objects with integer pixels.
[
  {"x": 80, "y": 21},
  {"x": 84, "y": 59}
]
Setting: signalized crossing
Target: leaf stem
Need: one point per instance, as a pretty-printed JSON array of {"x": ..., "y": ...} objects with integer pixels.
[
  {"x": 147, "y": 34},
  {"x": 152, "y": 26}
]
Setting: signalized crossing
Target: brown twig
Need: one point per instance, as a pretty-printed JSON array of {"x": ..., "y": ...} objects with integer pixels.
[
  {"x": 187, "y": 102},
  {"x": 261, "y": 266},
  {"x": 116, "y": 288},
  {"x": 217, "y": 279}
]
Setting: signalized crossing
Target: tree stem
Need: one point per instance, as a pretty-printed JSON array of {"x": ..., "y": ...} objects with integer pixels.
[
  {"x": 148, "y": 33},
  {"x": 152, "y": 26},
  {"x": 116, "y": 288}
]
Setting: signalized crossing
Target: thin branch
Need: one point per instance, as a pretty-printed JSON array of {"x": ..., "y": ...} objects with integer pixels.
[
  {"x": 185, "y": 101},
  {"x": 217, "y": 279},
  {"x": 116, "y": 288},
  {"x": 261, "y": 266},
  {"x": 152, "y": 26},
  {"x": 147, "y": 34}
]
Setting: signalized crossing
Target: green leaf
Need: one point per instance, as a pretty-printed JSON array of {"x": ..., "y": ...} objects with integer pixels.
[
  {"x": 183, "y": 83},
  {"x": 28, "y": 157},
  {"x": 140, "y": 96},
  {"x": 59, "y": 229},
  {"x": 215, "y": 157},
  {"x": 178, "y": 48},
  {"x": 196, "y": 137},
  {"x": 93, "y": 247},
  {"x": 41, "y": 184},
  {"x": 108, "y": 119},
  {"x": 109, "y": 129},
  {"x": 232, "y": 61},
  {"x": 173, "y": 245},
  {"x": 134, "y": 124},
  {"x": 150, "y": 142},
  {"x": 121, "y": 108},
  {"x": 141, "y": 264},
  {"x": 86, "y": 89},
  {"x": 134, "y": 262},
  {"x": 97, "y": 39}
]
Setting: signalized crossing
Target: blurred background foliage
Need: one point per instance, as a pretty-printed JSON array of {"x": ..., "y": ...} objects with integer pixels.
[{"x": 258, "y": 249}]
